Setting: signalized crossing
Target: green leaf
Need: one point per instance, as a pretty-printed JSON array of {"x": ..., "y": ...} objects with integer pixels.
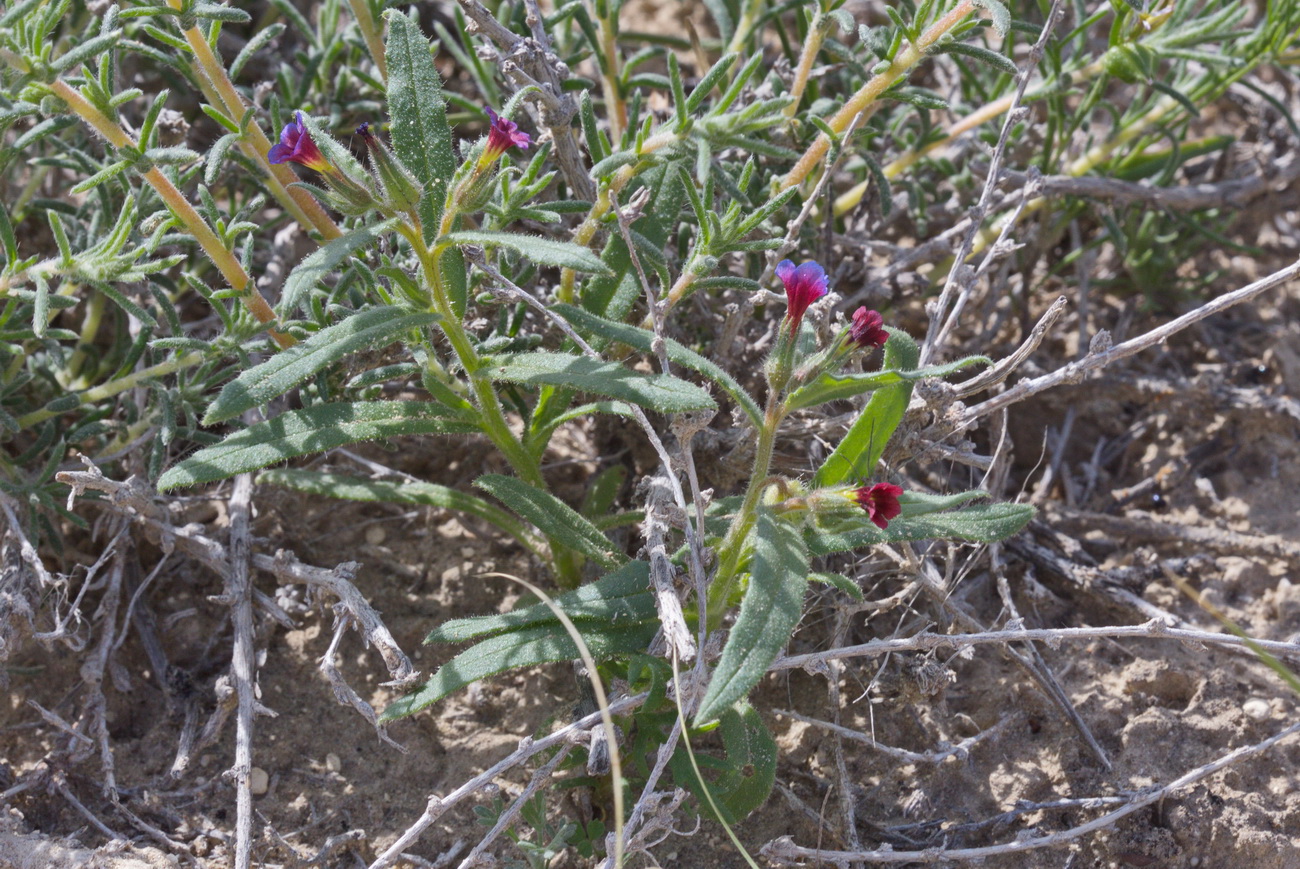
[
  {"x": 836, "y": 387},
  {"x": 311, "y": 430},
  {"x": 525, "y": 648},
  {"x": 347, "y": 487},
  {"x": 745, "y": 776},
  {"x": 321, "y": 262},
  {"x": 622, "y": 596},
  {"x": 862, "y": 446},
  {"x": 920, "y": 503},
  {"x": 288, "y": 368},
  {"x": 552, "y": 516},
  {"x": 643, "y": 340},
  {"x": 421, "y": 134},
  {"x": 838, "y": 581},
  {"x": 985, "y": 523},
  {"x": 614, "y": 295},
  {"x": 541, "y": 250},
  {"x": 658, "y": 392},
  {"x": 980, "y": 53},
  {"x": 771, "y": 608}
]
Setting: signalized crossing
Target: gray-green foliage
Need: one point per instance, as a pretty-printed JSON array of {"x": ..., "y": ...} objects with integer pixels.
[{"x": 130, "y": 322}]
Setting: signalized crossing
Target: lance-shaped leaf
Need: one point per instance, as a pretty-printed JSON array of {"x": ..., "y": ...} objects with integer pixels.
[
  {"x": 541, "y": 250},
  {"x": 617, "y": 599},
  {"x": 525, "y": 648},
  {"x": 985, "y": 523},
  {"x": 643, "y": 340},
  {"x": 658, "y": 392},
  {"x": 553, "y": 517},
  {"x": 311, "y": 430},
  {"x": 860, "y": 449},
  {"x": 769, "y": 612},
  {"x": 744, "y": 777},
  {"x": 321, "y": 262},
  {"x": 421, "y": 134},
  {"x": 833, "y": 387},
  {"x": 288, "y": 368},
  {"x": 348, "y": 487}
]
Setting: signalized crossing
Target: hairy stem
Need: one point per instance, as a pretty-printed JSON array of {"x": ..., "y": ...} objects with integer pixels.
[
  {"x": 223, "y": 259},
  {"x": 298, "y": 202},
  {"x": 909, "y": 57}
]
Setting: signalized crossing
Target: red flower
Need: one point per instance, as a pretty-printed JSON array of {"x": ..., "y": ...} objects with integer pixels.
[
  {"x": 803, "y": 286},
  {"x": 502, "y": 136},
  {"x": 880, "y": 501},
  {"x": 867, "y": 330},
  {"x": 296, "y": 146}
]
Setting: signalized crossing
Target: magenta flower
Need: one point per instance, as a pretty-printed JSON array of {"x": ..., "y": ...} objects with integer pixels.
[
  {"x": 296, "y": 146},
  {"x": 502, "y": 136},
  {"x": 880, "y": 501},
  {"x": 803, "y": 286},
  {"x": 867, "y": 329}
]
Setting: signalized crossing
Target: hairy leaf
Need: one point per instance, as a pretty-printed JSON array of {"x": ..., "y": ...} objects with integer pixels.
[
  {"x": 771, "y": 608},
  {"x": 525, "y": 648},
  {"x": 545, "y": 251},
  {"x": 552, "y": 516},
  {"x": 658, "y": 392},
  {"x": 288, "y": 368},
  {"x": 618, "y": 598},
  {"x": 643, "y": 340},
  {"x": 860, "y": 449},
  {"x": 346, "y": 486},
  {"x": 321, "y": 262},
  {"x": 984, "y": 523},
  {"x": 311, "y": 430},
  {"x": 745, "y": 775}
]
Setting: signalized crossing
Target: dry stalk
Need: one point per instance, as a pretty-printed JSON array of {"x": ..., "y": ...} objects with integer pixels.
[{"x": 785, "y": 852}]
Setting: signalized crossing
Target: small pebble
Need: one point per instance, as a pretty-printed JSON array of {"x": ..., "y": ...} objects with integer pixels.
[
  {"x": 258, "y": 781},
  {"x": 1256, "y": 708},
  {"x": 375, "y": 535},
  {"x": 332, "y": 762}
]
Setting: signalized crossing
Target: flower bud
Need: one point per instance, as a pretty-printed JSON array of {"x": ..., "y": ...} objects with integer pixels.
[{"x": 400, "y": 188}]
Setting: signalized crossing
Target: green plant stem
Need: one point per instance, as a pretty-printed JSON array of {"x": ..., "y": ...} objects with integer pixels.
[
  {"x": 120, "y": 385},
  {"x": 298, "y": 202},
  {"x": 902, "y": 63},
  {"x": 89, "y": 330},
  {"x": 733, "y": 545},
  {"x": 371, "y": 33},
  {"x": 492, "y": 418},
  {"x": 223, "y": 259}
]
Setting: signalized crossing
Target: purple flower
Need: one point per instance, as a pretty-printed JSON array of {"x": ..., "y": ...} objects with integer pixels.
[
  {"x": 296, "y": 146},
  {"x": 502, "y": 136},
  {"x": 867, "y": 329},
  {"x": 880, "y": 501},
  {"x": 803, "y": 286}
]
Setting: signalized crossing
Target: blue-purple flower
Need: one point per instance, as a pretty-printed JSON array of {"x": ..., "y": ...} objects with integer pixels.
[
  {"x": 867, "y": 329},
  {"x": 296, "y": 146},
  {"x": 803, "y": 286}
]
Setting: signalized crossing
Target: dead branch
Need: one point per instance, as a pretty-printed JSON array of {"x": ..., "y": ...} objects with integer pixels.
[{"x": 785, "y": 852}]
